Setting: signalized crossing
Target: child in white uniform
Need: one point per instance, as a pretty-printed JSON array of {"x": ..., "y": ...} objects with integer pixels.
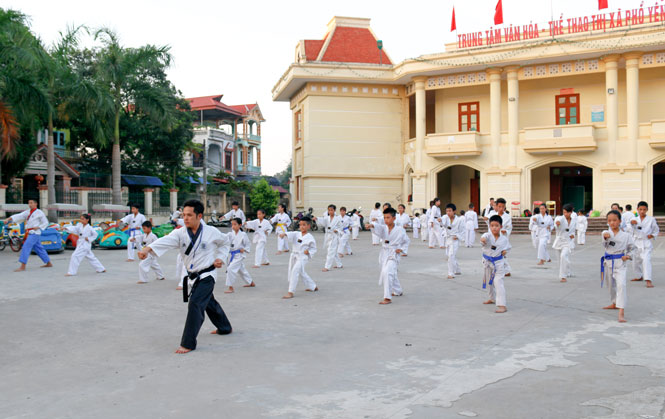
[
  {"x": 453, "y": 229},
  {"x": 150, "y": 263},
  {"x": 262, "y": 229},
  {"x": 403, "y": 220},
  {"x": 394, "y": 239},
  {"x": 416, "y": 226},
  {"x": 495, "y": 247},
  {"x": 470, "y": 225},
  {"x": 376, "y": 215},
  {"x": 303, "y": 248},
  {"x": 619, "y": 247},
  {"x": 87, "y": 235},
  {"x": 355, "y": 224},
  {"x": 564, "y": 227},
  {"x": 344, "y": 248},
  {"x": 544, "y": 223},
  {"x": 134, "y": 220},
  {"x": 235, "y": 212},
  {"x": 283, "y": 222},
  {"x": 332, "y": 225},
  {"x": 236, "y": 264},
  {"x": 434, "y": 220},
  {"x": 645, "y": 230},
  {"x": 424, "y": 226},
  {"x": 581, "y": 227},
  {"x": 533, "y": 228}
]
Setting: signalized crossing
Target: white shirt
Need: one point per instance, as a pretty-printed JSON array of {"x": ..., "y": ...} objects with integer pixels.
[
  {"x": 376, "y": 215},
  {"x": 493, "y": 247},
  {"x": 416, "y": 222},
  {"x": 391, "y": 241},
  {"x": 144, "y": 240},
  {"x": 235, "y": 214},
  {"x": 281, "y": 218},
  {"x": 355, "y": 220},
  {"x": 563, "y": 232},
  {"x": 331, "y": 226},
  {"x": 345, "y": 224},
  {"x": 581, "y": 224},
  {"x": 453, "y": 228},
  {"x": 626, "y": 217},
  {"x": 403, "y": 220},
  {"x": 87, "y": 234},
  {"x": 433, "y": 215},
  {"x": 175, "y": 216},
  {"x": 617, "y": 244},
  {"x": 471, "y": 219},
  {"x": 261, "y": 229},
  {"x": 239, "y": 241},
  {"x": 544, "y": 224},
  {"x": 299, "y": 243},
  {"x": 210, "y": 245},
  {"x": 36, "y": 223},
  {"x": 134, "y": 221},
  {"x": 643, "y": 228}
]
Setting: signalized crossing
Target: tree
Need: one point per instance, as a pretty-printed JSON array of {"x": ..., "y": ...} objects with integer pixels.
[
  {"x": 128, "y": 76},
  {"x": 284, "y": 176},
  {"x": 23, "y": 98},
  {"x": 264, "y": 197}
]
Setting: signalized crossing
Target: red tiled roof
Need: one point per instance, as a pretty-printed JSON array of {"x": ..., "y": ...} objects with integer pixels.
[
  {"x": 211, "y": 102},
  {"x": 244, "y": 109},
  {"x": 278, "y": 189},
  {"x": 354, "y": 45},
  {"x": 313, "y": 47}
]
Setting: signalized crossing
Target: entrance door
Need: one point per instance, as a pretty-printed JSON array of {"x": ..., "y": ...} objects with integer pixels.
[{"x": 475, "y": 193}]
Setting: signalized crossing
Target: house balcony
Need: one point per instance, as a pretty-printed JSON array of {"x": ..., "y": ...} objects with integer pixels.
[
  {"x": 212, "y": 133},
  {"x": 657, "y": 138},
  {"x": 243, "y": 169},
  {"x": 67, "y": 154},
  {"x": 560, "y": 139},
  {"x": 453, "y": 144}
]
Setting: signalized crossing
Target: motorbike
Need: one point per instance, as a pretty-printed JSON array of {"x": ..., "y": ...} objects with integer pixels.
[
  {"x": 297, "y": 218},
  {"x": 216, "y": 221}
]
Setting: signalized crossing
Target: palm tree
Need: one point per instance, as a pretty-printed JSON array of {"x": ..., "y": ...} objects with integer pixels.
[
  {"x": 23, "y": 98},
  {"x": 128, "y": 76}
]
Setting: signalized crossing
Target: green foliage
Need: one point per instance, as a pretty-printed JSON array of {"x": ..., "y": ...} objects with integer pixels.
[
  {"x": 264, "y": 197},
  {"x": 284, "y": 176}
]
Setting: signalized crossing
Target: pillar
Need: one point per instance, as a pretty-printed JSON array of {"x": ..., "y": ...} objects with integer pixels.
[
  {"x": 258, "y": 157},
  {"x": 632, "y": 103},
  {"x": 147, "y": 195},
  {"x": 244, "y": 206},
  {"x": 43, "y": 196},
  {"x": 173, "y": 199},
  {"x": 421, "y": 121},
  {"x": 495, "y": 113},
  {"x": 612, "y": 105},
  {"x": 513, "y": 114},
  {"x": 222, "y": 196},
  {"x": 83, "y": 199},
  {"x": 66, "y": 183},
  {"x": 3, "y": 199}
]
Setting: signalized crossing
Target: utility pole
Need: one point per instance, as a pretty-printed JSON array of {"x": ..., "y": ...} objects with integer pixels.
[{"x": 204, "y": 196}]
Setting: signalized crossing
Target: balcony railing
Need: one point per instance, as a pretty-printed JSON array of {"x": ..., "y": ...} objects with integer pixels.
[
  {"x": 68, "y": 154},
  {"x": 657, "y": 139},
  {"x": 453, "y": 144},
  {"x": 213, "y": 133},
  {"x": 560, "y": 139}
]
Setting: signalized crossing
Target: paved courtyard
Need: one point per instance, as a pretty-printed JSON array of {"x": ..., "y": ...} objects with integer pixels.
[{"x": 101, "y": 346}]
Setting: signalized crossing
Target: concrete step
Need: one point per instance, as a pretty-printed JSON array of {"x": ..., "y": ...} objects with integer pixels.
[{"x": 596, "y": 225}]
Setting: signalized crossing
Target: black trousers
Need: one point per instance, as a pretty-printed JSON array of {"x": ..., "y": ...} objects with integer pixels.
[{"x": 202, "y": 301}]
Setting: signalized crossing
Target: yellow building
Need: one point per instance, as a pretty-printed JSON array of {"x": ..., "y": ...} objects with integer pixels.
[{"x": 576, "y": 117}]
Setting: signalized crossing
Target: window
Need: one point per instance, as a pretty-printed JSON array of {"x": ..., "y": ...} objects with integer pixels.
[
  {"x": 298, "y": 186},
  {"x": 297, "y": 125},
  {"x": 568, "y": 109},
  {"x": 197, "y": 159},
  {"x": 469, "y": 116},
  {"x": 228, "y": 160}
]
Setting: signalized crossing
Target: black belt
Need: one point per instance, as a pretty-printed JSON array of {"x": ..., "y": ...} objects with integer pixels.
[{"x": 194, "y": 276}]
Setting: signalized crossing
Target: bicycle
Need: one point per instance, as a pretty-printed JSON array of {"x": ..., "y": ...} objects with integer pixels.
[{"x": 8, "y": 238}]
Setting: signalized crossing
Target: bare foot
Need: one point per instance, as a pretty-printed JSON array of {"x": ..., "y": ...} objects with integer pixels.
[
  {"x": 649, "y": 284},
  {"x": 337, "y": 267},
  {"x": 48, "y": 265},
  {"x": 314, "y": 290},
  {"x": 179, "y": 288},
  {"x": 340, "y": 255},
  {"x": 621, "y": 318},
  {"x": 69, "y": 275},
  {"x": 563, "y": 280},
  {"x": 431, "y": 247},
  {"x": 397, "y": 295},
  {"x": 141, "y": 282},
  {"x": 286, "y": 251},
  {"x": 488, "y": 302},
  {"x": 542, "y": 262},
  {"x": 256, "y": 266},
  {"x": 265, "y": 264},
  {"x": 279, "y": 252},
  {"x": 549, "y": 260},
  {"x": 129, "y": 260},
  {"x": 500, "y": 309},
  {"x": 636, "y": 279},
  {"x": 229, "y": 290},
  {"x": 508, "y": 274},
  {"x": 161, "y": 279},
  {"x": 21, "y": 269},
  {"x": 252, "y": 285},
  {"x": 288, "y": 296},
  {"x": 404, "y": 254},
  {"x": 451, "y": 277},
  {"x": 385, "y": 301},
  {"x": 325, "y": 270},
  {"x": 610, "y": 307},
  {"x": 182, "y": 350}
]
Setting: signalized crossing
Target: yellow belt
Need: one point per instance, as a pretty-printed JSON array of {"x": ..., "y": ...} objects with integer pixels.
[{"x": 281, "y": 225}]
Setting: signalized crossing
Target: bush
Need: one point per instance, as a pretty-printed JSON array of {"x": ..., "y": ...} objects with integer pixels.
[{"x": 264, "y": 197}]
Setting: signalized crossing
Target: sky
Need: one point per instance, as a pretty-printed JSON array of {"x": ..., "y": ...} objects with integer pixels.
[{"x": 240, "y": 49}]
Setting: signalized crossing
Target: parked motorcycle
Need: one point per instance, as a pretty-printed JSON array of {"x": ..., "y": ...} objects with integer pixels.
[{"x": 297, "y": 218}]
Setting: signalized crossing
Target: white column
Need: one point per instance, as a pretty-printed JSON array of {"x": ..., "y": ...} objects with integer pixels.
[
  {"x": 173, "y": 199},
  {"x": 83, "y": 199},
  {"x": 421, "y": 120},
  {"x": 495, "y": 113},
  {"x": 3, "y": 199},
  {"x": 147, "y": 195},
  {"x": 632, "y": 105},
  {"x": 43, "y": 197},
  {"x": 612, "y": 104},
  {"x": 513, "y": 114}
]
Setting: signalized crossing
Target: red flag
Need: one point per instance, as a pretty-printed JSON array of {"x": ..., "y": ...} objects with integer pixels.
[
  {"x": 498, "y": 14},
  {"x": 602, "y": 4},
  {"x": 453, "y": 24}
]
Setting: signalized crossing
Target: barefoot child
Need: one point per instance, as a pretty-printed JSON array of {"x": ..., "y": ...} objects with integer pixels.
[
  {"x": 203, "y": 249},
  {"x": 416, "y": 225},
  {"x": 645, "y": 230},
  {"x": 283, "y": 222},
  {"x": 149, "y": 263},
  {"x": 393, "y": 239},
  {"x": 533, "y": 228},
  {"x": 506, "y": 226},
  {"x": 564, "y": 227},
  {"x": 87, "y": 235},
  {"x": 332, "y": 225},
  {"x": 344, "y": 248},
  {"x": 453, "y": 230},
  {"x": 262, "y": 229},
  {"x": 35, "y": 222},
  {"x": 376, "y": 215},
  {"x": 236, "y": 266},
  {"x": 304, "y": 247},
  {"x": 581, "y": 227},
  {"x": 495, "y": 247},
  {"x": 619, "y": 248},
  {"x": 134, "y": 220},
  {"x": 434, "y": 220},
  {"x": 403, "y": 220},
  {"x": 424, "y": 225},
  {"x": 355, "y": 224},
  {"x": 544, "y": 224},
  {"x": 235, "y": 212}
]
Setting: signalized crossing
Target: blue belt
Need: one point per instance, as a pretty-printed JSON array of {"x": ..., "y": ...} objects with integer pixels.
[
  {"x": 346, "y": 229},
  {"x": 233, "y": 254},
  {"x": 602, "y": 265},
  {"x": 493, "y": 260}
]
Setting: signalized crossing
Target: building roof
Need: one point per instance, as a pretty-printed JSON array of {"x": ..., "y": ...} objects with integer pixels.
[
  {"x": 347, "y": 40},
  {"x": 217, "y": 109}
]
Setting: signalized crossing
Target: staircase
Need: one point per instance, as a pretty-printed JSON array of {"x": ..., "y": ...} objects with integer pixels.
[{"x": 596, "y": 225}]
